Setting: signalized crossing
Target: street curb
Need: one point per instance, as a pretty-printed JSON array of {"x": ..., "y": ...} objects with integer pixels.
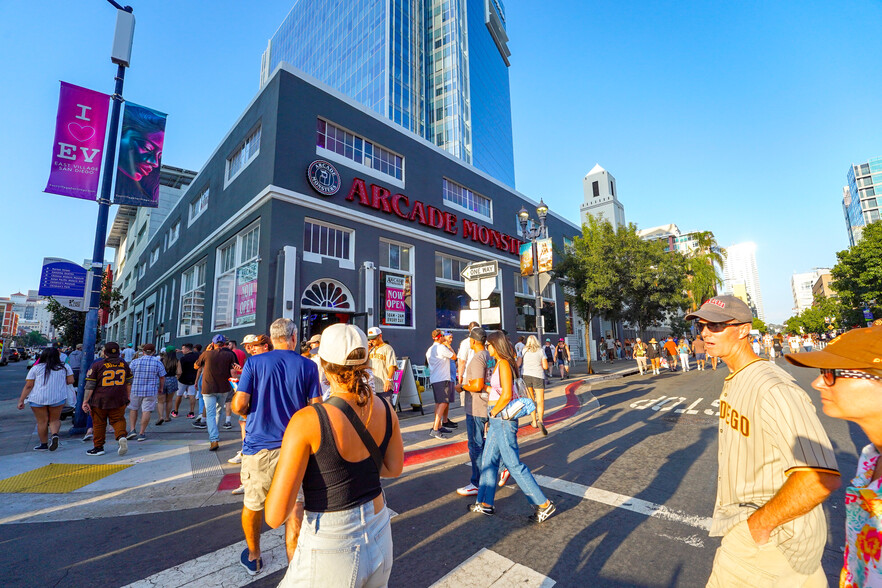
[{"x": 572, "y": 406}]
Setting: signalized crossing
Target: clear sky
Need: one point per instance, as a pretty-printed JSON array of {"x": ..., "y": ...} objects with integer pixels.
[{"x": 739, "y": 118}]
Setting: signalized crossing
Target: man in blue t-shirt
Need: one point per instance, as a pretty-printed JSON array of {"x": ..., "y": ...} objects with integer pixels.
[{"x": 272, "y": 387}]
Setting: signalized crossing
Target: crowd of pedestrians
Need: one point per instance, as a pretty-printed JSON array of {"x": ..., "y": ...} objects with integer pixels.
[{"x": 318, "y": 432}]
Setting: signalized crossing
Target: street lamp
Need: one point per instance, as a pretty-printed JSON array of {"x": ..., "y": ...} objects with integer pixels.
[{"x": 533, "y": 235}]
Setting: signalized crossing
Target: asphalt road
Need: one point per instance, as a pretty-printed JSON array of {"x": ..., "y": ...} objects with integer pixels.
[
  {"x": 635, "y": 445},
  {"x": 12, "y": 379}
]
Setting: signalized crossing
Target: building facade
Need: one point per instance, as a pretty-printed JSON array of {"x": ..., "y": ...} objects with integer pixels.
[
  {"x": 438, "y": 68},
  {"x": 33, "y": 314},
  {"x": 802, "y": 286},
  {"x": 739, "y": 270},
  {"x": 8, "y": 318},
  {"x": 601, "y": 198},
  {"x": 821, "y": 288},
  {"x": 860, "y": 204},
  {"x": 318, "y": 209},
  {"x": 133, "y": 228}
]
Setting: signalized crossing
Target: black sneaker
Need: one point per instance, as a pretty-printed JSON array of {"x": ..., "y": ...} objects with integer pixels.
[
  {"x": 449, "y": 423},
  {"x": 53, "y": 443},
  {"x": 445, "y": 430},
  {"x": 484, "y": 510},
  {"x": 436, "y": 434},
  {"x": 543, "y": 513},
  {"x": 96, "y": 451},
  {"x": 228, "y": 425},
  {"x": 200, "y": 425},
  {"x": 42, "y": 447}
]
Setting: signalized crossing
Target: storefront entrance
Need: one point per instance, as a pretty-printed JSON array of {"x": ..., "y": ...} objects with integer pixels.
[{"x": 327, "y": 302}]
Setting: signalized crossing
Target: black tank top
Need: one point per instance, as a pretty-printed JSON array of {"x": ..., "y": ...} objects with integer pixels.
[{"x": 332, "y": 483}]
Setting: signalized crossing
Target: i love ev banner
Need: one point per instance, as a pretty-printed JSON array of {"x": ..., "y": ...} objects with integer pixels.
[{"x": 80, "y": 129}]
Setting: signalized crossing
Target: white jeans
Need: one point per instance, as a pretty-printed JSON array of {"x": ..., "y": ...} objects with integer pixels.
[
  {"x": 684, "y": 359},
  {"x": 345, "y": 548}
]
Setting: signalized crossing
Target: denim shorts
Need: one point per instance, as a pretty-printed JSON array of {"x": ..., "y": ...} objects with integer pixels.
[
  {"x": 345, "y": 548},
  {"x": 534, "y": 382}
]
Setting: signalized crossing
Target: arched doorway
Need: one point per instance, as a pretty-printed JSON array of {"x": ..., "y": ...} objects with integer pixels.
[{"x": 325, "y": 302}]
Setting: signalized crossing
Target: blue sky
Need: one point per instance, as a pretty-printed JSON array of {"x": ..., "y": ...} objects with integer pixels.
[{"x": 740, "y": 118}]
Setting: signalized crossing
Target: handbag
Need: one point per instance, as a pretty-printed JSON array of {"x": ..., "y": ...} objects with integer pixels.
[{"x": 520, "y": 404}]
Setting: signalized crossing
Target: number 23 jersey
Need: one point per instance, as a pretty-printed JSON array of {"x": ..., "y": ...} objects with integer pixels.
[{"x": 111, "y": 376}]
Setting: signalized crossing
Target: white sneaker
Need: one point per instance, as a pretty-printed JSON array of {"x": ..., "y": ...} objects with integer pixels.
[
  {"x": 123, "y": 446},
  {"x": 236, "y": 458},
  {"x": 239, "y": 490},
  {"x": 469, "y": 490}
]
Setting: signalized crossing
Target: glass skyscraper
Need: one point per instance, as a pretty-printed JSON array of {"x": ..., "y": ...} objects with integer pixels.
[
  {"x": 439, "y": 68},
  {"x": 860, "y": 198}
]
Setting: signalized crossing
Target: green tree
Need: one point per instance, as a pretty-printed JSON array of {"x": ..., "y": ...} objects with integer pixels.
[
  {"x": 759, "y": 325},
  {"x": 702, "y": 268},
  {"x": 590, "y": 267},
  {"x": 857, "y": 275},
  {"x": 35, "y": 339},
  {"x": 653, "y": 281},
  {"x": 71, "y": 324}
]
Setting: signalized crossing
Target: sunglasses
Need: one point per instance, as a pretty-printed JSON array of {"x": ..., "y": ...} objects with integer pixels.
[
  {"x": 831, "y": 375},
  {"x": 718, "y": 327}
]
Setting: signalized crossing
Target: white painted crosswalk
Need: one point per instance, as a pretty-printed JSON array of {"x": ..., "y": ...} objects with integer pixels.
[{"x": 488, "y": 569}]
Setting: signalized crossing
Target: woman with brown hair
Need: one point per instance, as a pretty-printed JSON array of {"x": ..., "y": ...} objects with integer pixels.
[
  {"x": 501, "y": 445},
  {"x": 165, "y": 401},
  {"x": 338, "y": 451}
]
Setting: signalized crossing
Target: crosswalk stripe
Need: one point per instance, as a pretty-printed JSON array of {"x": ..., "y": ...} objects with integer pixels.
[
  {"x": 637, "y": 505},
  {"x": 488, "y": 569},
  {"x": 221, "y": 568}
]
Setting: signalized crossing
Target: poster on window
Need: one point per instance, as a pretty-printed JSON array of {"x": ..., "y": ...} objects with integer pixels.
[
  {"x": 246, "y": 294},
  {"x": 396, "y": 298}
]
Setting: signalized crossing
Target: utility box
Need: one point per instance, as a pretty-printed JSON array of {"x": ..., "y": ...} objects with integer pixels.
[{"x": 122, "y": 38}]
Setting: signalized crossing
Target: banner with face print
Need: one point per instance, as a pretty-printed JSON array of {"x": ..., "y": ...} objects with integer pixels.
[
  {"x": 80, "y": 127},
  {"x": 140, "y": 156}
]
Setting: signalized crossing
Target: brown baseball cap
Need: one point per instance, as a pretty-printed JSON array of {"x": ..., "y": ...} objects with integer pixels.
[
  {"x": 111, "y": 348},
  {"x": 858, "y": 349},
  {"x": 721, "y": 309},
  {"x": 148, "y": 347}
]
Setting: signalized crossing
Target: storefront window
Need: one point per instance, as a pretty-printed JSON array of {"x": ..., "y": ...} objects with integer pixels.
[
  {"x": 450, "y": 295},
  {"x": 396, "y": 284},
  {"x": 236, "y": 285},
  {"x": 525, "y": 304},
  {"x": 192, "y": 300}
]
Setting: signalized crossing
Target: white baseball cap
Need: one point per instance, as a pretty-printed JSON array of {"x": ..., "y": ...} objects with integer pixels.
[
  {"x": 374, "y": 332},
  {"x": 339, "y": 340}
]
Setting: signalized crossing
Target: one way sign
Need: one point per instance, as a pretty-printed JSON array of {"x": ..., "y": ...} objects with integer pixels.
[{"x": 482, "y": 269}]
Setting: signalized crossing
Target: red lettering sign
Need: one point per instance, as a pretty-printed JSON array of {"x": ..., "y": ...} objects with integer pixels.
[{"x": 359, "y": 189}]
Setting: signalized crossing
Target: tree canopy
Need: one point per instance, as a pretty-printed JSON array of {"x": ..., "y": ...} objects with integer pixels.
[
  {"x": 702, "y": 265},
  {"x": 619, "y": 276},
  {"x": 857, "y": 275}
]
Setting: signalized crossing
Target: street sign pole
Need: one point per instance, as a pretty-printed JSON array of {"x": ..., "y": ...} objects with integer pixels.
[
  {"x": 90, "y": 334},
  {"x": 538, "y": 291}
]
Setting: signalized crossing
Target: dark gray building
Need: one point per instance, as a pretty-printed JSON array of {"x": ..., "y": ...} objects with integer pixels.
[{"x": 317, "y": 208}]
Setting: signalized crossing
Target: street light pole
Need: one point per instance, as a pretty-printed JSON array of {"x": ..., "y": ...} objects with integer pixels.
[
  {"x": 91, "y": 327},
  {"x": 533, "y": 235}
]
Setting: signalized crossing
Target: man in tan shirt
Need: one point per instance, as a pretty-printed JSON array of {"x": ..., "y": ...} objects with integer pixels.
[
  {"x": 776, "y": 464},
  {"x": 383, "y": 363}
]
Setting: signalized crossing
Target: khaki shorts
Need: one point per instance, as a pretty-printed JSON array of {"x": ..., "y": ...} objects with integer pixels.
[
  {"x": 740, "y": 562},
  {"x": 257, "y": 477},
  {"x": 145, "y": 403}
]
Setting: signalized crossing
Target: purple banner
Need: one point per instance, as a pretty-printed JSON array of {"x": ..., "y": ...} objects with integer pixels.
[
  {"x": 140, "y": 156},
  {"x": 79, "y": 142}
]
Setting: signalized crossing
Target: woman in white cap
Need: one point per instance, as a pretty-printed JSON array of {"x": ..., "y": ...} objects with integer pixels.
[
  {"x": 338, "y": 451},
  {"x": 850, "y": 384}
]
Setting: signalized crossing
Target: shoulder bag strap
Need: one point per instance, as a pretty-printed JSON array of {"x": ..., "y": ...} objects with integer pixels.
[{"x": 359, "y": 427}]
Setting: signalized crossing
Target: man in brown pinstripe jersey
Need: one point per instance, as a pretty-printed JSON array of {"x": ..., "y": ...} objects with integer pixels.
[{"x": 776, "y": 464}]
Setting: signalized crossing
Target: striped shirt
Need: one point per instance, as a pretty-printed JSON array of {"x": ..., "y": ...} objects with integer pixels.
[
  {"x": 146, "y": 371},
  {"x": 51, "y": 391},
  {"x": 769, "y": 429}
]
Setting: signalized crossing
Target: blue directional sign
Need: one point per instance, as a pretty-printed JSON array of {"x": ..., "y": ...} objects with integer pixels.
[
  {"x": 868, "y": 314},
  {"x": 62, "y": 278}
]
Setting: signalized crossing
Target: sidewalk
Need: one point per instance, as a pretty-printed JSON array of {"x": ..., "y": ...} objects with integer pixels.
[{"x": 173, "y": 469}]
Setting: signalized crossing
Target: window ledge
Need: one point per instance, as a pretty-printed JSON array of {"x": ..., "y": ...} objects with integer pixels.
[{"x": 317, "y": 258}]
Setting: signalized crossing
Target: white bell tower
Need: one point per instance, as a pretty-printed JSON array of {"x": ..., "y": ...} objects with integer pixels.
[{"x": 601, "y": 198}]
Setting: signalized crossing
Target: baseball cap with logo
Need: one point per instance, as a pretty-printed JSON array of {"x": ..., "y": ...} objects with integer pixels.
[
  {"x": 858, "y": 349},
  {"x": 111, "y": 348},
  {"x": 339, "y": 340},
  {"x": 249, "y": 339},
  {"x": 722, "y": 309},
  {"x": 219, "y": 339},
  {"x": 374, "y": 332}
]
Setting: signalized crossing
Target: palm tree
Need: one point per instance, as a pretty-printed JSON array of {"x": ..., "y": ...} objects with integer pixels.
[{"x": 702, "y": 264}]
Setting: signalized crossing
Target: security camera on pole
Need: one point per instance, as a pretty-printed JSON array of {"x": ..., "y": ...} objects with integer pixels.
[{"x": 536, "y": 259}]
